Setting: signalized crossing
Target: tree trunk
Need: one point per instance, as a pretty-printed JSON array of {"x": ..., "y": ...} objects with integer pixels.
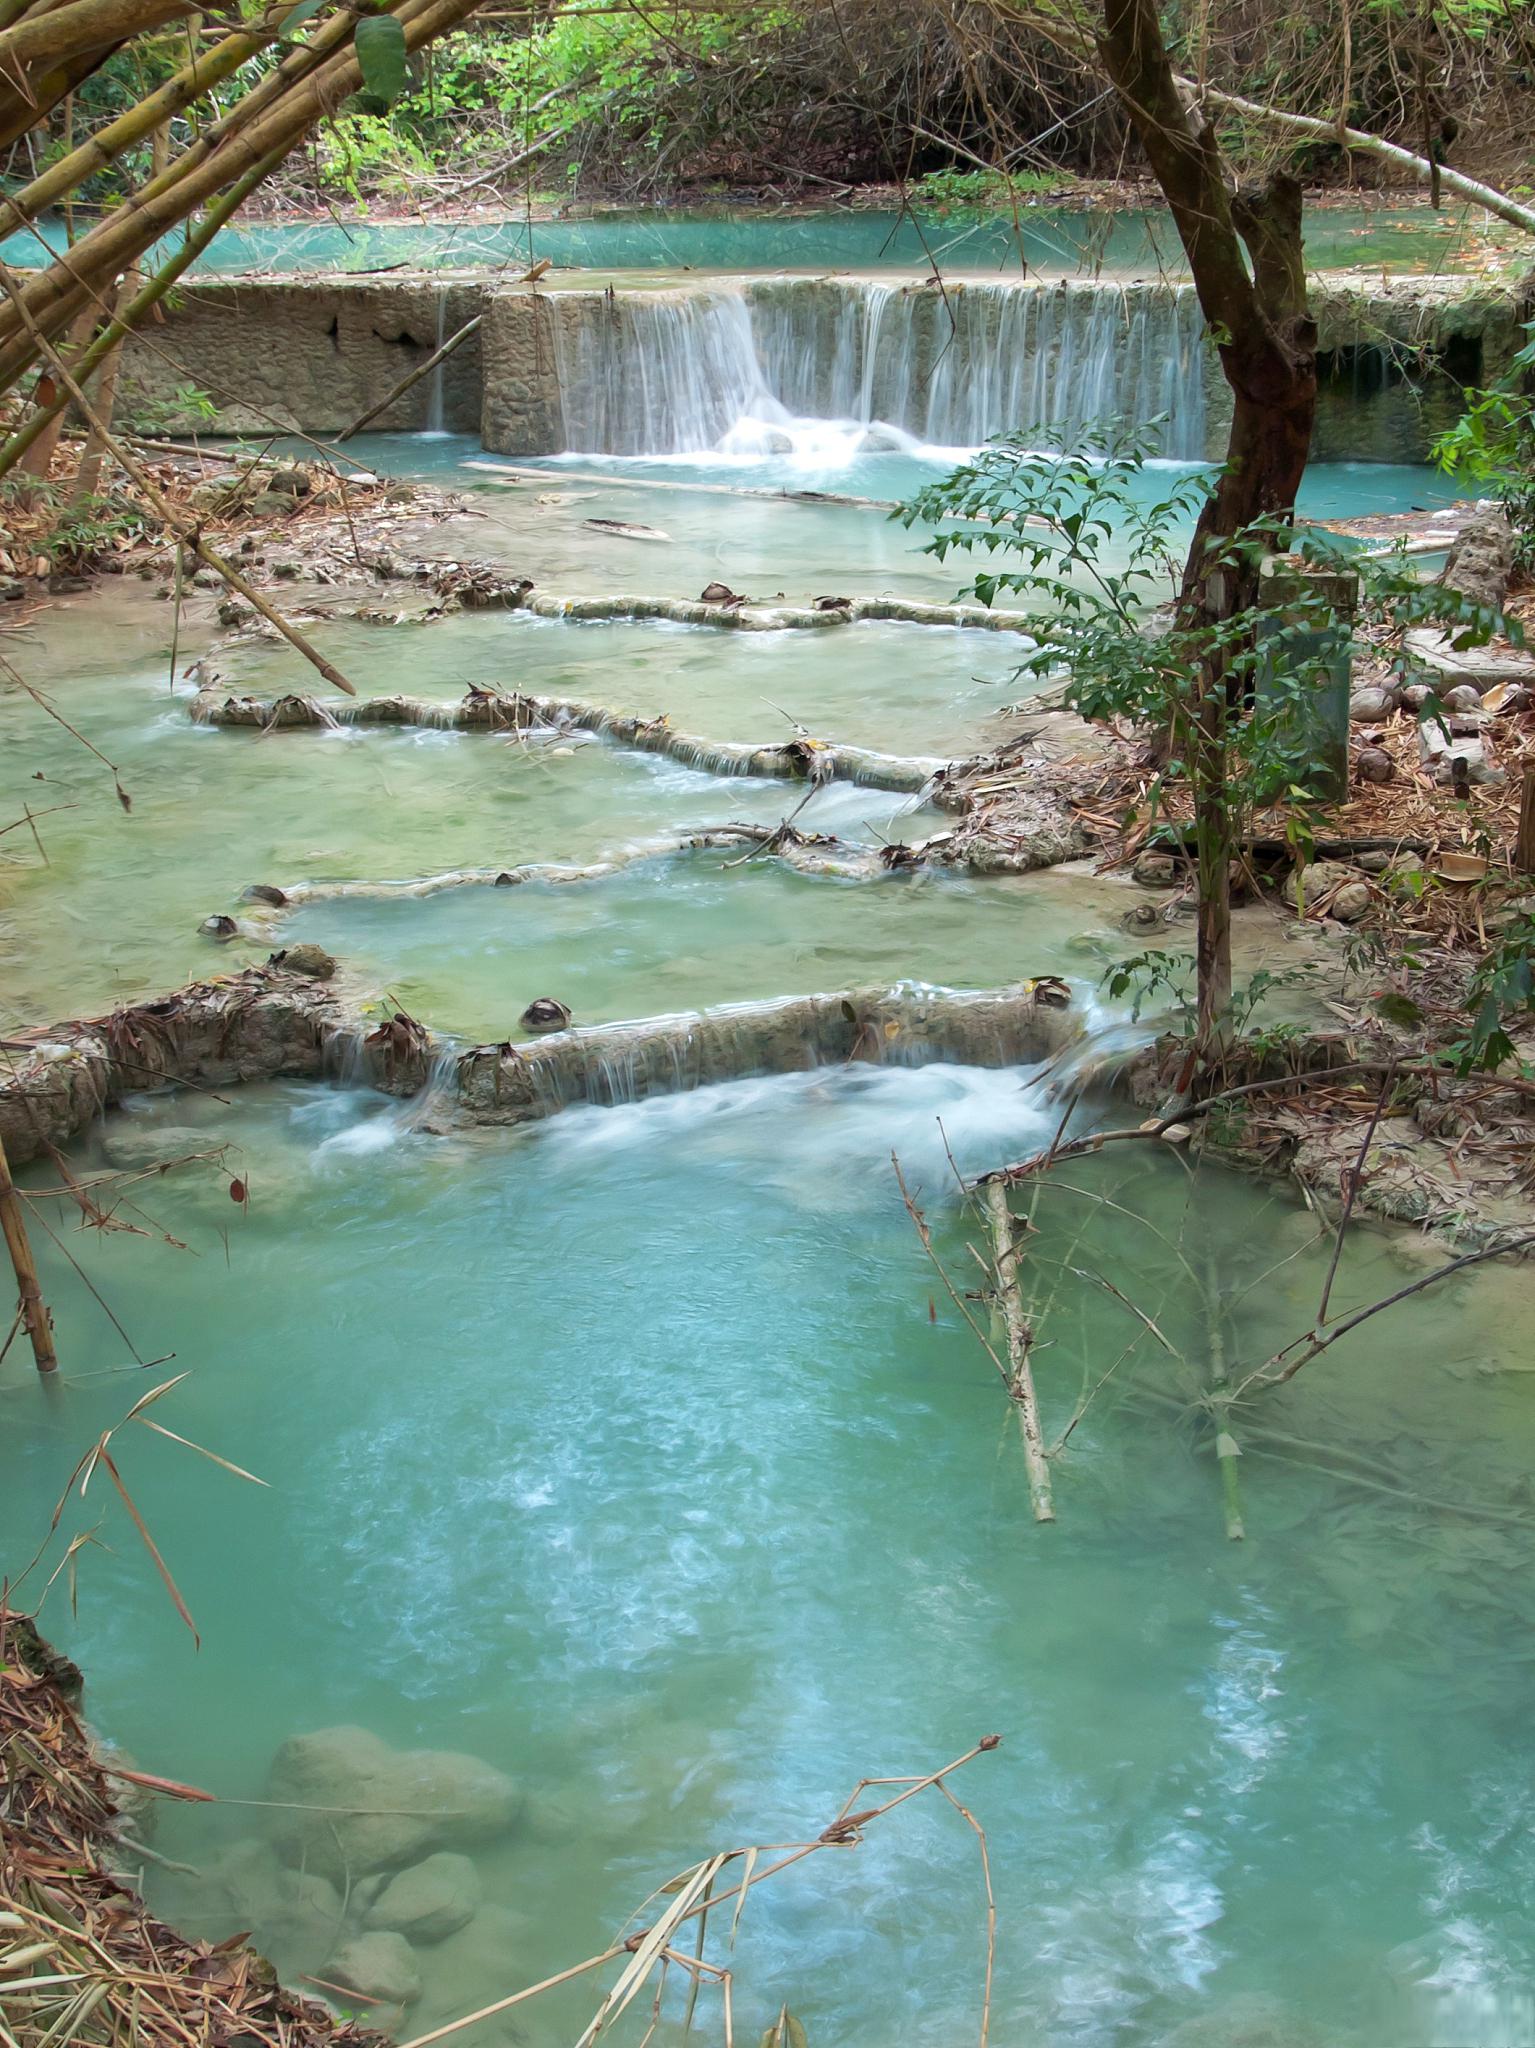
[{"x": 1267, "y": 344}]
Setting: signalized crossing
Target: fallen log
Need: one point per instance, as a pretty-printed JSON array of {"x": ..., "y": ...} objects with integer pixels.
[{"x": 512, "y": 711}]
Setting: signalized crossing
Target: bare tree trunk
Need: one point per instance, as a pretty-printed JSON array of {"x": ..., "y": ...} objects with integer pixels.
[
  {"x": 32, "y": 1310},
  {"x": 1267, "y": 343}
]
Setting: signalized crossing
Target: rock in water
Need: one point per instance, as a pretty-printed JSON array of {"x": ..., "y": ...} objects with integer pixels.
[
  {"x": 134, "y": 1146},
  {"x": 1249, "y": 2021},
  {"x": 545, "y": 1013},
  {"x": 429, "y": 1901},
  {"x": 381, "y": 1966},
  {"x": 396, "y": 1804},
  {"x": 311, "y": 960},
  {"x": 295, "y": 1915}
]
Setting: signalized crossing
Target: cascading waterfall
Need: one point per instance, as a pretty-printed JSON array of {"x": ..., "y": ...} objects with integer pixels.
[
  {"x": 822, "y": 368},
  {"x": 436, "y": 403}
]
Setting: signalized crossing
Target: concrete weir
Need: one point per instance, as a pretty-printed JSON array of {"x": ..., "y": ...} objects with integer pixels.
[
  {"x": 267, "y": 1025},
  {"x": 676, "y": 369}
]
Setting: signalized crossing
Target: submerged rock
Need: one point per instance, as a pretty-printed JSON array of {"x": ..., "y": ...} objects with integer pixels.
[
  {"x": 294, "y": 1914},
  {"x": 385, "y": 1806},
  {"x": 381, "y": 1966},
  {"x": 429, "y": 1901},
  {"x": 1249, "y": 2021},
  {"x": 136, "y": 1145}
]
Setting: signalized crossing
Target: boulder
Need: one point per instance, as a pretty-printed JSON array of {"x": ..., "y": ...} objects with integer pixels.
[
  {"x": 378, "y": 1966},
  {"x": 1483, "y": 666},
  {"x": 295, "y": 1915},
  {"x": 311, "y": 960},
  {"x": 133, "y": 1145},
  {"x": 1303, "y": 887},
  {"x": 1155, "y": 870},
  {"x": 1351, "y": 902},
  {"x": 394, "y": 1805},
  {"x": 1462, "y": 697},
  {"x": 1374, "y": 764},
  {"x": 1451, "y": 759},
  {"x": 1482, "y": 559},
  {"x": 1369, "y": 705},
  {"x": 429, "y": 1901}
]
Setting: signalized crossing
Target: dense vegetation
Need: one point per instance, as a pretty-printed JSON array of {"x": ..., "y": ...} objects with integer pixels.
[{"x": 607, "y": 98}]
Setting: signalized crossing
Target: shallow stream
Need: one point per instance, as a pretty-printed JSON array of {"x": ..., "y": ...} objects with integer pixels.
[{"x": 644, "y": 1456}]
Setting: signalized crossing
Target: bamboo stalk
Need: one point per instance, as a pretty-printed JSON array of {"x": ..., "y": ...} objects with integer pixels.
[
  {"x": 1227, "y": 1450},
  {"x": 1524, "y": 844},
  {"x": 34, "y": 1310},
  {"x": 155, "y": 289},
  {"x": 1005, "y": 1251},
  {"x": 73, "y": 168},
  {"x": 413, "y": 377},
  {"x": 189, "y": 536},
  {"x": 52, "y": 295}
]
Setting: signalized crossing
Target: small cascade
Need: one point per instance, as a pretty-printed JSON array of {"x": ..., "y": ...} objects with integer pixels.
[
  {"x": 436, "y": 402},
  {"x": 825, "y": 369}
]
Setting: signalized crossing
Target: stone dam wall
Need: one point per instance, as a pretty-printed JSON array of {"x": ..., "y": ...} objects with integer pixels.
[{"x": 314, "y": 354}]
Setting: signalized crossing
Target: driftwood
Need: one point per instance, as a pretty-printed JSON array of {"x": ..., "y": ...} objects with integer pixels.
[
  {"x": 809, "y": 853},
  {"x": 512, "y": 711},
  {"x": 1005, "y": 1249}
]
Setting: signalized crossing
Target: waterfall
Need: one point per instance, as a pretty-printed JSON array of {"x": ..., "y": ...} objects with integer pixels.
[
  {"x": 829, "y": 367},
  {"x": 436, "y": 406}
]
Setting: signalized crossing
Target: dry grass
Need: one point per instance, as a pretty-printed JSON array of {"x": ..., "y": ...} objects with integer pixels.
[{"x": 82, "y": 1961}]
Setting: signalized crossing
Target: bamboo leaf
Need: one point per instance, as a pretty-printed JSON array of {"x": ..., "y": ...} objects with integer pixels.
[
  {"x": 149, "y": 1544},
  {"x": 380, "y": 45}
]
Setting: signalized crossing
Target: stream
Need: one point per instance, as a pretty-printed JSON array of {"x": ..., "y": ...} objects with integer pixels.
[{"x": 641, "y": 1453}]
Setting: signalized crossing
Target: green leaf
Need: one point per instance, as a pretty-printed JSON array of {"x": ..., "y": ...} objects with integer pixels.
[
  {"x": 380, "y": 45},
  {"x": 1398, "y": 1009},
  {"x": 297, "y": 16}
]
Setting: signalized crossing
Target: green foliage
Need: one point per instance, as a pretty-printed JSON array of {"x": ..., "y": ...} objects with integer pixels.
[
  {"x": 980, "y": 191},
  {"x": 91, "y": 528},
  {"x": 1501, "y": 989},
  {"x": 1169, "y": 976},
  {"x": 1093, "y": 543},
  {"x": 1493, "y": 444},
  {"x": 379, "y": 41},
  {"x": 161, "y": 415}
]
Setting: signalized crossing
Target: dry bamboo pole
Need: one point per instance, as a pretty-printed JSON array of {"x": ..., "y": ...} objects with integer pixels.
[
  {"x": 78, "y": 27},
  {"x": 109, "y": 142},
  {"x": 1487, "y": 196},
  {"x": 1004, "y": 1242},
  {"x": 155, "y": 289},
  {"x": 1524, "y": 844},
  {"x": 94, "y": 454},
  {"x": 189, "y": 536},
  {"x": 34, "y": 1310},
  {"x": 413, "y": 377},
  {"x": 1227, "y": 1450},
  {"x": 51, "y": 296}
]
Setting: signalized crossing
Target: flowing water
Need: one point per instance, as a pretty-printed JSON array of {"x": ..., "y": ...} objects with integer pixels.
[{"x": 643, "y": 1455}]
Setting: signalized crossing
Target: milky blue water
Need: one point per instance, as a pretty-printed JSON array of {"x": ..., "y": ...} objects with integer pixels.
[
  {"x": 643, "y": 1453},
  {"x": 1051, "y": 239}
]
